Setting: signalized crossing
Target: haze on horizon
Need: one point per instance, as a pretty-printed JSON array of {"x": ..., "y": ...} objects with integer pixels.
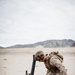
[{"x": 30, "y": 21}]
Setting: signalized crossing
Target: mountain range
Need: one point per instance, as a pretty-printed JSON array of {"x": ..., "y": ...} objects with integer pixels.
[{"x": 47, "y": 44}]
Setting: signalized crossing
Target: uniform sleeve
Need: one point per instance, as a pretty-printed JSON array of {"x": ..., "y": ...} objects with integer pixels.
[{"x": 56, "y": 62}]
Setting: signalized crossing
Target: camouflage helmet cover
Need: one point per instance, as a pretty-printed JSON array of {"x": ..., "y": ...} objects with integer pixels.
[{"x": 38, "y": 55}]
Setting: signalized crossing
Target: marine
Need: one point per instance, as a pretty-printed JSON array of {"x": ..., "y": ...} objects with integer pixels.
[{"x": 53, "y": 62}]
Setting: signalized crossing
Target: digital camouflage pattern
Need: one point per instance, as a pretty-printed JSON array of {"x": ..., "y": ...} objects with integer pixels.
[{"x": 55, "y": 67}]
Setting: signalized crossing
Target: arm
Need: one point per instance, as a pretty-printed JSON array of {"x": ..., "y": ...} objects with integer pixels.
[{"x": 56, "y": 62}]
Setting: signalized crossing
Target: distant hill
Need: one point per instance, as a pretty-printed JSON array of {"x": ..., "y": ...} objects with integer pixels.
[
  {"x": 48, "y": 44},
  {"x": 1, "y": 47},
  {"x": 73, "y": 45}
]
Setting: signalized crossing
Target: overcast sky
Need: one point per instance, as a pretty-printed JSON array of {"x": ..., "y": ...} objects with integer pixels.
[{"x": 30, "y": 21}]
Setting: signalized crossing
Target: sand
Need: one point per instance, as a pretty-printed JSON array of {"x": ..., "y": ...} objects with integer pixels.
[{"x": 17, "y": 61}]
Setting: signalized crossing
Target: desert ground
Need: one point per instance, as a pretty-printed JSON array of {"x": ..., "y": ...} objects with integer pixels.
[{"x": 17, "y": 61}]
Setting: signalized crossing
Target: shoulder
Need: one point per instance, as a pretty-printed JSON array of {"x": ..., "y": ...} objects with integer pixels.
[{"x": 54, "y": 60}]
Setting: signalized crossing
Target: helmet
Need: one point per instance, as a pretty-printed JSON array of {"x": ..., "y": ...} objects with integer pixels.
[{"x": 39, "y": 55}]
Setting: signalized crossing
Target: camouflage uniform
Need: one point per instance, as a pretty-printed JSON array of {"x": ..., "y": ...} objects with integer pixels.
[
  {"x": 56, "y": 67},
  {"x": 53, "y": 64}
]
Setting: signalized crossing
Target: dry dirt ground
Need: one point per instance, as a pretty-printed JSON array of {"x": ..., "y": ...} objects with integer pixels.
[{"x": 17, "y": 61}]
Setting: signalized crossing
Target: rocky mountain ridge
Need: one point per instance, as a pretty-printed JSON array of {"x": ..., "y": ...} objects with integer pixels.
[{"x": 48, "y": 44}]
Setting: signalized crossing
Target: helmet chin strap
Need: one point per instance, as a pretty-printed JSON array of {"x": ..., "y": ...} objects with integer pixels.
[{"x": 45, "y": 58}]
